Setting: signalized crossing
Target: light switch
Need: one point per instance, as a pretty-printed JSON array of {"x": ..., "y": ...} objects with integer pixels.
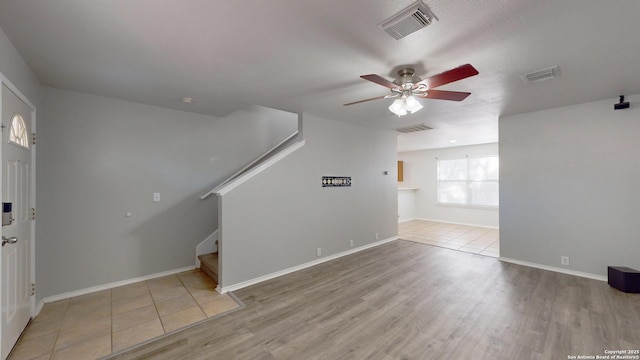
[{"x": 156, "y": 197}]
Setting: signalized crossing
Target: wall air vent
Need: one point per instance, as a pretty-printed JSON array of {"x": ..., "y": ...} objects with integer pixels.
[
  {"x": 413, "y": 18},
  {"x": 540, "y": 75},
  {"x": 413, "y": 128}
]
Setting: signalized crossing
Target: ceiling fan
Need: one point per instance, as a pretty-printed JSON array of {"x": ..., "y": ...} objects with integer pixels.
[{"x": 407, "y": 87}]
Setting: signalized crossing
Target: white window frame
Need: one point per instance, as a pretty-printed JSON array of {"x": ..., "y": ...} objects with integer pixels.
[
  {"x": 469, "y": 193},
  {"x": 19, "y": 135}
]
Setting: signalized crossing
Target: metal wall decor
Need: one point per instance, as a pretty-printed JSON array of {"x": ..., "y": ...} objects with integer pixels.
[{"x": 336, "y": 181}]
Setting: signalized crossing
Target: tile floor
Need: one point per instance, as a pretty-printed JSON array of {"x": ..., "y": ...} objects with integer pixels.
[
  {"x": 477, "y": 240},
  {"x": 101, "y": 323}
]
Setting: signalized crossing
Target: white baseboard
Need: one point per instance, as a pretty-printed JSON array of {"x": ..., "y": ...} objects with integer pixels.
[
  {"x": 554, "y": 269},
  {"x": 108, "y": 286},
  {"x": 276, "y": 274},
  {"x": 459, "y": 223},
  {"x": 405, "y": 220}
]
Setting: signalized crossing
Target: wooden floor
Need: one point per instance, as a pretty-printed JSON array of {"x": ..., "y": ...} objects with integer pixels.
[{"x": 406, "y": 300}]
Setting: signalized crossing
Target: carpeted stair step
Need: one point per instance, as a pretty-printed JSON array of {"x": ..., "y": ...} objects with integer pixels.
[{"x": 209, "y": 264}]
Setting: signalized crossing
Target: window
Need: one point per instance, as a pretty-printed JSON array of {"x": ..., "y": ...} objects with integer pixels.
[
  {"x": 18, "y": 133},
  {"x": 469, "y": 181}
]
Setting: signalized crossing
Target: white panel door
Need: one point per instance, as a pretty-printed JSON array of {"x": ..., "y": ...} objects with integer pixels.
[{"x": 16, "y": 189}]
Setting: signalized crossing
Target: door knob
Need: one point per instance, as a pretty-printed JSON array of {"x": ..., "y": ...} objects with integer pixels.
[{"x": 10, "y": 240}]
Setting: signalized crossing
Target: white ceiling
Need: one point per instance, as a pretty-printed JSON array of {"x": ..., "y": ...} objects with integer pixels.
[{"x": 307, "y": 56}]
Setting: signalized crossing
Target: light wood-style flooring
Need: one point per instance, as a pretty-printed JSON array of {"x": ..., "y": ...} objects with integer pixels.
[{"x": 405, "y": 300}]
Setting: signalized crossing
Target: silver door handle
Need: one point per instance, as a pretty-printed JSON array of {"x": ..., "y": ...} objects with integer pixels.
[{"x": 11, "y": 240}]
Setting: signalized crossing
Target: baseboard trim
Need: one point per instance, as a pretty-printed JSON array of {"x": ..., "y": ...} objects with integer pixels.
[
  {"x": 286, "y": 271},
  {"x": 108, "y": 286},
  {"x": 459, "y": 223},
  {"x": 554, "y": 269},
  {"x": 405, "y": 220}
]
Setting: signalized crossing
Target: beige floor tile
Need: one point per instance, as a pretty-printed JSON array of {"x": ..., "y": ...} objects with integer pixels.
[
  {"x": 182, "y": 318},
  {"x": 31, "y": 349},
  {"x": 470, "y": 250},
  {"x": 450, "y": 246},
  {"x": 89, "y": 349},
  {"x": 52, "y": 310},
  {"x": 222, "y": 304},
  {"x": 174, "y": 305},
  {"x": 80, "y": 333},
  {"x": 490, "y": 253},
  {"x": 86, "y": 326},
  {"x": 166, "y": 293},
  {"x": 164, "y": 282},
  {"x": 470, "y": 236},
  {"x": 40, "y": 357},
  {"x": 99, "y": 297},
  {"x": 87, "y": 304},
  {"x": 134, "y": 317},
  {"x": 129, "y": 291},
  {"x": 458, "y": 237},
  {"x": 434, "y": 243},
  {"x": 205, "y": 296},
  {"x": 459, "y": 242},
  {"x": 475, "y": 246},
  {"x": 132, "y": 303},
  {"x": 201, "y": 284},
  {"x": 136, "y": 334},
  {"x": 42, "y": 328},
  {"x": 72, "y": 319}
]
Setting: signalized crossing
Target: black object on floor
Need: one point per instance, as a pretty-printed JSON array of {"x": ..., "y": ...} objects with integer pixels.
[{"x": 624, "y": 279}]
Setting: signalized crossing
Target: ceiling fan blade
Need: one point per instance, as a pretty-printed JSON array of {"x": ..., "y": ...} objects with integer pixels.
[
  {"x": 444, "y": 95},
  {"x": 380, "y": 81},
  {"x": 449, "y": 76},
  {"x": 365, "y": 100}
]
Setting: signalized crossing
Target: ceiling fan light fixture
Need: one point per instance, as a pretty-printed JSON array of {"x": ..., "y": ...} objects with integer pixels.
[
  {"x": 413, "y": 105},
  {"x": 403, "y": 106},
  {"x": 399, "y": 107}
]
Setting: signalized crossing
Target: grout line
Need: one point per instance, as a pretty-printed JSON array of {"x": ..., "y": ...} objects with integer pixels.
[
  {"x": 155, "y": 306},
  {"x": 192, "y": 297}
]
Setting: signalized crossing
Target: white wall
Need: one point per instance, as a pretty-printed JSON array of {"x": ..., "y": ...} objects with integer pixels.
[
  {"x": 420, "y": 171},
  {"x": 569, "y": 182},
  {"x": 13, "y": 67},
  {"x": 277, "y": 219},
  {"x": 100, "y": 158},
  {"x": 406, "y": 204}
]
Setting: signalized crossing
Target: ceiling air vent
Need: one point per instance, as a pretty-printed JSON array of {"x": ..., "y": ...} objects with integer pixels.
[
  {"x": 413, "y": 128},
  {"x": 540, "y": 75},
  {"x": 413, "y": 18}
]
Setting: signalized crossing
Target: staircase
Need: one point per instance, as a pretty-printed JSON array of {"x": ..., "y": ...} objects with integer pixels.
[
  {"x": 209, "y": 265},
  {"x": 209, "y": 262}
]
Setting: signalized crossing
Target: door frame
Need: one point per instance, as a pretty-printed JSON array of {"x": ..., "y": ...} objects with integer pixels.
[{"x": 32, "y": 270}]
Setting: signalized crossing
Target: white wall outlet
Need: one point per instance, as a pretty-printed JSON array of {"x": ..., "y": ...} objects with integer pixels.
[
  {"x": 564, "y": 260},
  {"x": 377, "y": 236},
  {"x": 156, "y": 197},
  {"x": 351, "y": 243},
  {"x": 318, "y": 251}
]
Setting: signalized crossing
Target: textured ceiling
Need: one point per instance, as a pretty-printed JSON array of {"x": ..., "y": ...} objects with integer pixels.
[{"x": 306, "y": 56}]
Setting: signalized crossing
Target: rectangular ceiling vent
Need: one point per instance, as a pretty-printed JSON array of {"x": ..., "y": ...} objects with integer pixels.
[
  {"x": 413, "y": 128},
  {"x": 411, "y": 19},
  {"x": 540, "y": 75}
]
